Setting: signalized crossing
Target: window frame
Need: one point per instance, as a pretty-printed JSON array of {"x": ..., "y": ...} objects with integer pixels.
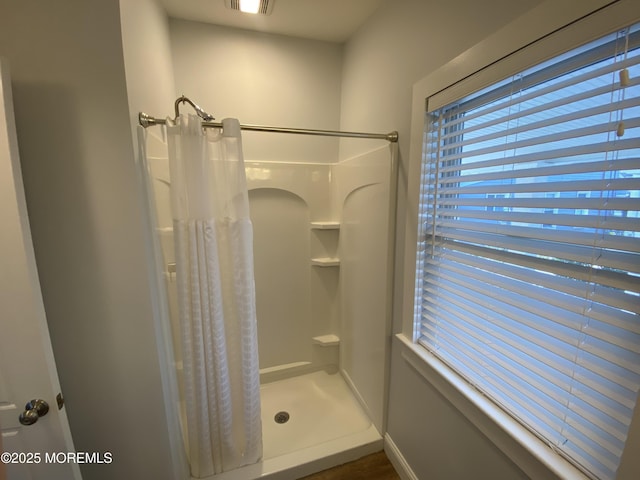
[{"x": 545, "y": 32}]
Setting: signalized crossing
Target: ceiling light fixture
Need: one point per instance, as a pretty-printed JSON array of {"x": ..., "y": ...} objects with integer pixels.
[
  {"x": 260, "y": 7},
  {"x": 249, "y": 6}
]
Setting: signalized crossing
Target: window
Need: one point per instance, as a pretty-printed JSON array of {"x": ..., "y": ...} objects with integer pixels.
[
  {"x": 549, "y": 211},
  {"x": 582, "y": 211},
  {"x": 528, "y": 275},
  {"x": 495, "y": 206}
]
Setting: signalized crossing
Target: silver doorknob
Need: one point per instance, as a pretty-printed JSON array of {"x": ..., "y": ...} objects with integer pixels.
[{"x": 33, "y": 411}]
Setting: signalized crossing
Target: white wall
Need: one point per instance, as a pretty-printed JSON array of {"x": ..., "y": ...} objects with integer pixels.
[
  {"x": 77, "y": 157},
  {"x": 147, "y": 56},
  {"x": 262, "y": 79},
  {"x": 402, "y": 42},
  {"x": 434, "y": 438},
  {"x": 398, "y": 45},
  {"x": 430, "y": 433},
  {"x": 150, "y": 88},
  {"x": 364, "y": 189}
]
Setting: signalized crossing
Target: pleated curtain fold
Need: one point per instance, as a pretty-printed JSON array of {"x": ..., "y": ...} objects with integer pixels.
[{"x": 216, "y": 295}]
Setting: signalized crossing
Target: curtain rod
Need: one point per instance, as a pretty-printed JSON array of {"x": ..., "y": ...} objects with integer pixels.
[{"x": 148, "y": 121}]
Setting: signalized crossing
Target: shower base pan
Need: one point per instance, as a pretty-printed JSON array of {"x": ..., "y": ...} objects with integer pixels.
[{"x": 309, "y": 423}]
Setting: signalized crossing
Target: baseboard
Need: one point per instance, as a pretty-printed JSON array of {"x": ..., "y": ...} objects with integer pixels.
[{"x": 397, "y": 460}]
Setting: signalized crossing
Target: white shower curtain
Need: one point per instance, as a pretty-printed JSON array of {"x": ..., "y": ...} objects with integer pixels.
[{"x": 216, "y": 295}]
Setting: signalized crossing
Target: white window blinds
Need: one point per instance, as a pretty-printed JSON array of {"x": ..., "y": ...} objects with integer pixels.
[{"x": 528, "y": 270}]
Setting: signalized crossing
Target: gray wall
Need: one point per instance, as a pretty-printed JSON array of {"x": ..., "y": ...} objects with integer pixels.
[{"x": 77, "y": 150}]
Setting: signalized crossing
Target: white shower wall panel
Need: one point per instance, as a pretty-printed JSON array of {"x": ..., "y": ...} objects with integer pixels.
[
  {"x": 363, "y": 188},
  {"x": 281, "y": 253},
  {"x": 292, "y": 304},
  {"x": 302, "y": 212},
  {"x": 308, "y": 181},
  {"x": 158, "y": 164},
  {"x": 295, "y": 302}
]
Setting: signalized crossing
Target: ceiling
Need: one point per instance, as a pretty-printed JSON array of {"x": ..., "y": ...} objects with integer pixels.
[{"x": 327, "y": 20}]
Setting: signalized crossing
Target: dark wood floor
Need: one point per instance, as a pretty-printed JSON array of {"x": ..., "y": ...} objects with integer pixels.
[{"x": 372, "y": 467}]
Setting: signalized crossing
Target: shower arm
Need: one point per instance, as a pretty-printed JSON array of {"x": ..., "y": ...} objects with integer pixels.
[
  {"x": 147, "y": 121},
  {"x": 201, "y": 113}
]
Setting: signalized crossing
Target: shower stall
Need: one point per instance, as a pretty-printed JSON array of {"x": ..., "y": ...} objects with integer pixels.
[{"x": 322, "y": 260}]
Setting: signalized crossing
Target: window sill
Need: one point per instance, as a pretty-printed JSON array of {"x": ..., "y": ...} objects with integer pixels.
[{"x": 534, "y": 457}]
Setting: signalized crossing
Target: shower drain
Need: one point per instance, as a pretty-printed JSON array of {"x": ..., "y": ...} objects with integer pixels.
[{"x": 281, "y": 417}]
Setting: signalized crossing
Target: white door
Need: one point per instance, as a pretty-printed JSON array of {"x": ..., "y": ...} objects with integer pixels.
[{"x": 27, "y": 367}]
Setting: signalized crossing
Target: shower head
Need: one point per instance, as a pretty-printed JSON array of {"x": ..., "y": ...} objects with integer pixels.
[{"x": 201, "y": 113}]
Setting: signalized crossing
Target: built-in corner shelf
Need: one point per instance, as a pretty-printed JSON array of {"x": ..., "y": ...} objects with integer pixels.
[
  {"x": 325, "y": 262},
  {"x": 328, "y": 243},
  {"x": 325, "y": 225},
  {"x": 326, "y": 340}
]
